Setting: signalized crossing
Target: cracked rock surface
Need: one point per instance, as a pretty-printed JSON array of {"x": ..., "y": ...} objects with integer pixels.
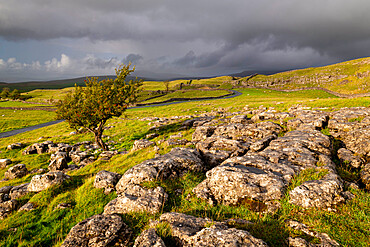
[
  {"x": 191, "y": 231},
  {"x": 99, "y": 230}
]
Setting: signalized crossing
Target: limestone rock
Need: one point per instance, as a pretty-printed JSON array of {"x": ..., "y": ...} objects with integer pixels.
[
  {"x": 298, "y": 242},
  {"x": 106, "y": 180},
  {"x": 63, "y": 205},
  {"x": 214, "y": 237},
  {"x": 19, "y": 191},
  {"x": 36, "y": 148},
  {"x": 358, "y": 141},
  {"x": 191, "y": 231},
  {"x": 99, "y": 230},
  {"x": 7, "y": 207},
  {"x": 173, "y": 142},
  {"x": 60, "y": 147},
  {"x": 5, "y": 162},
  {"x": 365, "y": 176},
  {"x": 300, "y": 148},
  {"x": 151, "y": 135},
  {"x": 202, "y": 132},
  {"x": 149, "y": 238},
  {"x": 29, "y": 206},
  {"x": 216, "y": 149},
  {"x": 6, "y": 189},
  {"x": 58, "y": 162},
  {"x": 241, "y": 132},
  {"x": 243, "y": 119},
  {"x": 324, "y": 193},
  {"x": 348, "y": 158},
  {"x": 232, "y": 183},
  {"x": 261, "y": 144},
  {"x": 107, "y": 155},
  {"x": 174, "y": 164},
  {"x": 16, "y": 171},
  {"x": 4, "y": 193},
  {"x": 4, "y": 197},
  {"x": 137, "y": 199},
  {"x": 198, "y": 121},
  {"x": 79, "y": 156},
  {"x": 141, "y": 144},
  {"x": 13, "y": 146},
  {"x": 42, "y": 182}
]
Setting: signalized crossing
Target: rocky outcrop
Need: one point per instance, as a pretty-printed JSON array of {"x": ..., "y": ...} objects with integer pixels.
[
  {"x": 307, "y": 119},
  {"x": 133, "y": 197},
  {"x": 202, "y": 132},
  {"x": 141, "y": 144},
  {"x": 149, "y": 238},
  {"x": 78, "y": 156},
  {"x": 325, "y": 240},
  {"x": 58, "y": 161},
  {"x": 358, "y": 141},
  {"x": 349, "y": 159},
  {"x": 4, "y": 193},
  {"x": 19, "y": 191},
  {"x": 7, "y": 207},
  {"x": 99, "y": 230},
  {"x": 29, "y": 206},
  {"x": 191, "y": 231},
  {"x": 106, "y": 180},
  {"x": 5, "y": 162},
  {"x": 138, "y": 199},
  {"x": 235, "y": 182},
  {"x": 365, "y": 176},
  {"x": 324, "y": 193},
  {"x": 247, "y": 132},
  {"x": 174, "y": 164},
  {"x": 36, "y": 148},
  {"x": 42, "y": 182},
  {"x": 13, "y": 146},
  {"x": 216, "y": 149},
  {"x": 261, "y": 178},
  {"x": 16, "y": 171}
]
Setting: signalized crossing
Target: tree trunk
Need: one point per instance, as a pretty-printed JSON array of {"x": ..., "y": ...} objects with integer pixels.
[{"x": 98, "y": 140}]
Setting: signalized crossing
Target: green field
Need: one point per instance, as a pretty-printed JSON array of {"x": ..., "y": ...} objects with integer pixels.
[{"x": 17, "y": 119}]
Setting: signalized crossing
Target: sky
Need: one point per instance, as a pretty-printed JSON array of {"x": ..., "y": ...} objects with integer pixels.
[{"x": 54, "y": 39}]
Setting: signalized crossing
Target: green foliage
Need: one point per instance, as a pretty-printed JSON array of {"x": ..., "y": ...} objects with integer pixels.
[
  {"x": 307, "y": 175},
  {"x": 5, "y": 93},
  {"x": 91, "y": 106},
  {"x": 15, "y": 94}
]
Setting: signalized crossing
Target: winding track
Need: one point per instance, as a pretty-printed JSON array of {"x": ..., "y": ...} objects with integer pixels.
[{"x": 38, "y": 126}]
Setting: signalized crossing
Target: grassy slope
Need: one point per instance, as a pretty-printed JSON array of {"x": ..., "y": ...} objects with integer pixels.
[
  {"x": 17, "y": 119},
  {"x": 348, "y": 77},
  {"x": 45, "y": 95},
  {"x": 189, "y": 94},
  {"x": 48, "y": 227}
]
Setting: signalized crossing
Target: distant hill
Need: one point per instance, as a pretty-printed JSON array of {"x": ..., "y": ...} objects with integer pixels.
[
  {"x": 252, "y": 72},
  {"x": 52, "y": 84},
  {"x": 350, "y": 77}
]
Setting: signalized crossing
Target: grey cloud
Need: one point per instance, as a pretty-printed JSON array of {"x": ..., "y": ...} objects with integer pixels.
[
  {"x": 214, "y": 35},
  {"x": 132, "y": 58},
  {"x": 98, "y": 63}
]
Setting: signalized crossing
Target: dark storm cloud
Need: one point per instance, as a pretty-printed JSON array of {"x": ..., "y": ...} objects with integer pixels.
[
  {"x": 132, "y": 58},
  {"x": 211, "y": 33}
]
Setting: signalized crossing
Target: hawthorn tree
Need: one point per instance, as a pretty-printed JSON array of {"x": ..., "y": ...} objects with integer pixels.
[{"x": 91, "y": 106}]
